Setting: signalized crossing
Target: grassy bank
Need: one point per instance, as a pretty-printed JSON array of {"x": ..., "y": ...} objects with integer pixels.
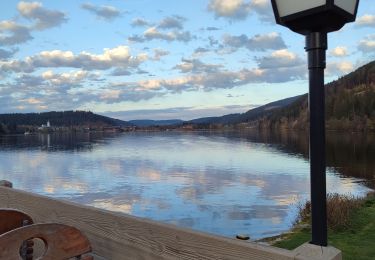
[{"x": 351, "y": 228}]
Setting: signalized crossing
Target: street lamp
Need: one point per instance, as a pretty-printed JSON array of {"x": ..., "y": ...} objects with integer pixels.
[{"x": 314, "y": 19}]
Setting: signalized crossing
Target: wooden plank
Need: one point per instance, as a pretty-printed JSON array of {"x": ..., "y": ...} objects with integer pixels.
[{"x": 120, "y": 236}]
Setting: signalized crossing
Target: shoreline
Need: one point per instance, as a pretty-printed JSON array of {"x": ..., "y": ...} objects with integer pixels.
[{"x": 356, "y": 240}]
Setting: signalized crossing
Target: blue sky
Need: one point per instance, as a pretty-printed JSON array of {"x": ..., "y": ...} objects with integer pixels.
[{"x": 138, "y": 59}]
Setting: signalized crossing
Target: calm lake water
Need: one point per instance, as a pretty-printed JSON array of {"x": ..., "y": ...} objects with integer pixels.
[{"x": 222, "y": 183}]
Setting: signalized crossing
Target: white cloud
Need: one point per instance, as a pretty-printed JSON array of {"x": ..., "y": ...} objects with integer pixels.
[
  {"x": 113, "y": 94},
  {"x": 366, "y": 20},
  {"x": 69, "y": 89},
  {"x": 118, "y": 57},
  {"x": 339, "y": 68},
  {"x": 241, "y": 9},
  {"x": 263, "y": 9},
  {"x": 160, "y": 31},
  {"x": 12, "y": 33},
  {"x": 279, "y": 59},
  {"x": 233, "y": 9},
  {"x": 340, "y": 51},
  {"x": 206, "y": 81},
  {"x": 105, "y": 12},
  {"x": 367, "y": 44},
  {"x": 153, "y": 33},
  {"x": 68, "y": 78},
  {"x": 44, "y": 18}
]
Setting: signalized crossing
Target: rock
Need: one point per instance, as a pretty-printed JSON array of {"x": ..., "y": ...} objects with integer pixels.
[
  {"x": 5, "y": 183},
  {"x": 243, "y": 237}
]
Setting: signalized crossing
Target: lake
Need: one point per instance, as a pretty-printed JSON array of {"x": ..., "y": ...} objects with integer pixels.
[{"x": 218, "y": 182}]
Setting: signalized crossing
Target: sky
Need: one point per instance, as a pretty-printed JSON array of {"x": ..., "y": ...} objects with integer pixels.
[{"x": 161, "y": 59}]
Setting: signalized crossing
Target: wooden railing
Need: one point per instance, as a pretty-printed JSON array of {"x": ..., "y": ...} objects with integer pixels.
[{"x": 120, "y": 236}]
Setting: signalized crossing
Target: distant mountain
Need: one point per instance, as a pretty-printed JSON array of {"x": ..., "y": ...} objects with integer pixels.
[
  {"x": 247, "y": 116},
  {"x": 148, "y": 123},
  {"x": 11, "y": 122},
  {"x": 350, "y": 105}
]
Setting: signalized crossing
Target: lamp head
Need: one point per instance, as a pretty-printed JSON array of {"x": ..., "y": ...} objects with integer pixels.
[{"x": 304, "y": 16}]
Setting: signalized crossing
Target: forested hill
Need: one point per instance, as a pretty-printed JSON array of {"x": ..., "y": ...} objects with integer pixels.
[
  {"x": 350, "y": 105},
  {"x": 59, "y": 119},
  {"x": 248, "y": 116}
]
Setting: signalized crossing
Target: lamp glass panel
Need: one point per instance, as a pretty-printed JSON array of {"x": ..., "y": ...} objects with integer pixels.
[
  {"x": 347, "y": 5},
  {"x": 288, "y": 7}
]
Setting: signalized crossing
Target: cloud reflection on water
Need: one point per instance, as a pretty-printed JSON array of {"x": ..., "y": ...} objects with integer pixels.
[{"x": 224, "y": 184}]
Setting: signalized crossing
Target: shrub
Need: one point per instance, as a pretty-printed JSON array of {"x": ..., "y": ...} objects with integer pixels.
[{"x": 339, "y": 210}]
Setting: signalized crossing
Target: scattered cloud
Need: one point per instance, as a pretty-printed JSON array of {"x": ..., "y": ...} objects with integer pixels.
[
  {"x": 50, "y": 90},
  {"x": 196, "y": 66},
  {"x": 70, "y": 89},
  {"x": 12, "y": 33},
  {"x": 367, "y": 44},
  {"x": 200, "y": 51},
  {"x": 140, "y": 22},
  {"x": 206, "y": 81},
  {"x": 105, "y": 12},
  {"x": 173, "y": 22},
  {"x": 259, "y": 42},
  {"x": 212, "y": 28},
  {"x": 212, "y": 41},
  {"x": 113, "y": 94},
  {"x": 340, "y": 51},
  {"x": 279, "y": 59},
  {"x": 263, "y": 9},
  {"x": 241, "y": 9},
  {"x": 366, "y": 20},
  {"x": 6, "y": 54},
  {"x": 153, "y": 33},
  {"x": 43, "y": 17},
  {"x": 136, "y": 38},
  {"x": 168, "y": 29},
  {"x": 339, "y": 68},
  {"x": 118, "y": 57},
  {"x": 158, "y": 53},
  {"x": 120, "y": 72},
  {"x": 68, "y": 78},
  {"x": 232, "y": 9}
]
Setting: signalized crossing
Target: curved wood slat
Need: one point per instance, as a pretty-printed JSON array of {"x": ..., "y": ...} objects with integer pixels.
[
  {"x": 11, "y": 219},
  {"x": 62, "y": 241}
]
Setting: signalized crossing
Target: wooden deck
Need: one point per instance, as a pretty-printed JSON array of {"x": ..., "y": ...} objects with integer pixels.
[{"x": 120, "y": 236}]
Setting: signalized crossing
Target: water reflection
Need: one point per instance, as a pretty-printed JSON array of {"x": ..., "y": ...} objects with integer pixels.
[
  {"x": 224, "y": 183},
  {"x": 64, "y": 141}
]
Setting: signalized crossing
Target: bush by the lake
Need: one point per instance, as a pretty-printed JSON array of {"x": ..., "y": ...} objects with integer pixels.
[{"x": 339, "y": 210}]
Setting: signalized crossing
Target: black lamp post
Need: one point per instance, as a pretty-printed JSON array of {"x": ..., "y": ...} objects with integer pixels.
[{"x": 314, "y": 19}]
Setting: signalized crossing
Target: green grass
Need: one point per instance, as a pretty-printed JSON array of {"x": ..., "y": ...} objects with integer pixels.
[{"x": 357, "y": 241}]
